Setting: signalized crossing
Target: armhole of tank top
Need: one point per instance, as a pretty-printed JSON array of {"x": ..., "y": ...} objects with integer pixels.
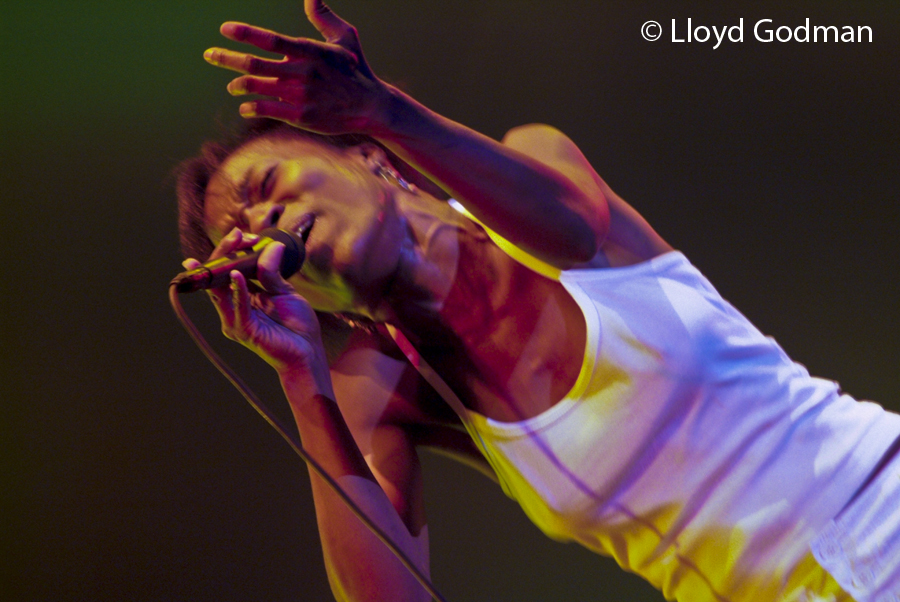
[
  {"x": 472, "y": 421},
  {"x": 588, "y": 362}
]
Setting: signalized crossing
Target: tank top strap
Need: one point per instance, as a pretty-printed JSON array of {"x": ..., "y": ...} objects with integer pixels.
[
  {"x": 532, "y": 263},
  {"x": 428, "y": 373}
]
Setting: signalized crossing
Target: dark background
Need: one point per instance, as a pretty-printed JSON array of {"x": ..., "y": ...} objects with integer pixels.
[{"x": 132, "y": 471}]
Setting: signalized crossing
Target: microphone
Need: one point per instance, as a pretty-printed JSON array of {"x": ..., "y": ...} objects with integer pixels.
[{"x": 216, "y": 272}]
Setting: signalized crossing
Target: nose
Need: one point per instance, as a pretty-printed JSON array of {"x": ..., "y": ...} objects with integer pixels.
[{"x": 264, "y": 215}]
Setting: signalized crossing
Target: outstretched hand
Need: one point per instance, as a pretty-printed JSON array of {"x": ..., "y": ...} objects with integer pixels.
[
  {"x": 276, "y": 323},
  {"x": 325, "y": 87}
]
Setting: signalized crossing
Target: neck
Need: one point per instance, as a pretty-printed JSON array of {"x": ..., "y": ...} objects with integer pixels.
[
  {"x": 489, "y": 326},
  {"x": 427, "y": 261}
]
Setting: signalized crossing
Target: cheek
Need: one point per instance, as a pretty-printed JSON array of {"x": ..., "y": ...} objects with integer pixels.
[
  {"x": 377, "y": 251},
  {"x": 359, "y": 216}
]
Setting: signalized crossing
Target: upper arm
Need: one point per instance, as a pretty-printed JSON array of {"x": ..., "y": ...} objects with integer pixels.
[
  {"x": 554, "y": 149},
  {"x": 632, "y": 239},
  {"x": 550, "y": 147}
]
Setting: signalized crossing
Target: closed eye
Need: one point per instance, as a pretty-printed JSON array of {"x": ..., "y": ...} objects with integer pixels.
[
  {"x": 268, "y": 183},
  {"x": 254, "y": 190},
  {"x": 243, "y": 189}
]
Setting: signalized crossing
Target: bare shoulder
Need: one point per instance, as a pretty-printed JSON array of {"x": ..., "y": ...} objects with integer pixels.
[
  {"x": 631, "y": 239},
  {"x": 551, "y": 147},
  {"x": 540, "y": 139}
]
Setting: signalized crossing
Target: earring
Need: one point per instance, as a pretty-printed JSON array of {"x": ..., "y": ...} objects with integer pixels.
[{"x": 390, "y": 175}]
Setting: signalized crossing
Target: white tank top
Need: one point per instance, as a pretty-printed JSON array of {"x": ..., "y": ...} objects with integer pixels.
[{"x": 691, "y": 448}]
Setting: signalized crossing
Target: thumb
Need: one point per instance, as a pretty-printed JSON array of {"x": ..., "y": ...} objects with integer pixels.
[
  {"x": 332, "y": 27},
  {"x": 268, "y": 270}
]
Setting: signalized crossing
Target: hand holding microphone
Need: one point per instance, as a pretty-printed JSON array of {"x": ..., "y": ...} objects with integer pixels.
[
  {"x": 277, "y": 323},
  {"x": 216, "y": 273}
]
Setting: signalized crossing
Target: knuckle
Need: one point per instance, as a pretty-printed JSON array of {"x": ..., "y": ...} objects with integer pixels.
[
  {"x": 281, "y": 44},
  {"x": 347, "y": 38},
  {"x": 290, "y": 90},
  {"x": 343, "y": 58},
  {"x": 247, "y": 84},
  {"x": 272, "y": 41},
  {"x": 241, "y": 33},
  {"x": 252, "y": 64}
]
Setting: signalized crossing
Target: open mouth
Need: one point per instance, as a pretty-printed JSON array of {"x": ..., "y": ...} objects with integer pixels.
[{"x": 304, "y": 226}]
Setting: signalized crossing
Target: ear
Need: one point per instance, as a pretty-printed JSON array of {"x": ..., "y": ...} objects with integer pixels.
[
  {"x": 376, "y": 159},
  {"x": 371, "y": 154}
]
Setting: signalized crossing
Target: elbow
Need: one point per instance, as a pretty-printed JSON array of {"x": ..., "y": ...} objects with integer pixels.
[
  {"x": 586, "y": 233},
  {"x": 578, "y": 251},
  {"x": 577, "y": 248},
  {"x": 596, "y": 229}
]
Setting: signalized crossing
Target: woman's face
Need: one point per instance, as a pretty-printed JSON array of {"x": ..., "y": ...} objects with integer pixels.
[{"x": 354, "y": 245}]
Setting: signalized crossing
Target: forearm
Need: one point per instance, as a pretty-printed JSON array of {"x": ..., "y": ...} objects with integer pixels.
[
  {"x": 360, "y": 567},
  {"x": 526, "y": 202}
]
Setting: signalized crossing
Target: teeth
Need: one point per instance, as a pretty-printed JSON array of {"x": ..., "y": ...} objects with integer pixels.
[{"x": 305, "y": 226}]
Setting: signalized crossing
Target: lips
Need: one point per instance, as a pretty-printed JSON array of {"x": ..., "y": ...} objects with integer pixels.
[{"x": 304, "y": 226}]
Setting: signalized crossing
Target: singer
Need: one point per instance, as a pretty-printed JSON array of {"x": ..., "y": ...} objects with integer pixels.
[{"x": 535, "y": 327}]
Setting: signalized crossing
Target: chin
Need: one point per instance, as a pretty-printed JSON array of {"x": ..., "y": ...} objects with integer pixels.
[{"x": 370, "y": 296}]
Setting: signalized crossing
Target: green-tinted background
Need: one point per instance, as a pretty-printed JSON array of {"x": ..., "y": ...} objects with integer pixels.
[{"x": 132, "y": 471}]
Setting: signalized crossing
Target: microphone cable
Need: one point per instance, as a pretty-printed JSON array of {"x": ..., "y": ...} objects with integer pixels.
[{"x": 295, "y": 443}]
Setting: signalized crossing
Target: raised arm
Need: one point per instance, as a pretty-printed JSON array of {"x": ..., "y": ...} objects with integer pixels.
[{"x": 328, "y": 88}]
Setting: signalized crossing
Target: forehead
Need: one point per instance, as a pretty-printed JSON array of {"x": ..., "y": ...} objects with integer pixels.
[{"x": 223, "y": 199}]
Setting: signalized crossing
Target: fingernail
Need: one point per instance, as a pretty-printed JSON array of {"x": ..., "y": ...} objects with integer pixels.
[
  {"x": 248, "y": 109},
  {"x": 212, "y": 56}
]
